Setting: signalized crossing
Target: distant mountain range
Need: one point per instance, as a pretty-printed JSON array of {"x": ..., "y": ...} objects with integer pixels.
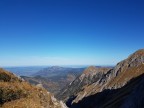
[
  {"x": 24, "y": 71},
  {"x": 58, "y": 71},
  {"x": 121, "y": 86},
  {"x": 54, "y": 78}
]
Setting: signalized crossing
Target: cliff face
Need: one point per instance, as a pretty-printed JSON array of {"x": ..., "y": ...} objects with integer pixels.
[
  {"x": 15, "y": 92},
  {"x": 110, "y": 88}
]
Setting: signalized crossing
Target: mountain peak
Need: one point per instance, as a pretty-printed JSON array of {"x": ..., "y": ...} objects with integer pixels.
[
  {"x": 94, "y": 69},
  {"x": 138, "y": 53},
  {"x": 89, "y": 69},
  {"x": 56, "y": 67}
]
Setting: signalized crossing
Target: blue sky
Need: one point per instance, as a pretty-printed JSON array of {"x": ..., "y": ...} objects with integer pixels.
[{"x": 69, "y": 32}]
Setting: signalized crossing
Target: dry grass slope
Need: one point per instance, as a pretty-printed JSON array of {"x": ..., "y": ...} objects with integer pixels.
[{"x": 16, "y": 93}]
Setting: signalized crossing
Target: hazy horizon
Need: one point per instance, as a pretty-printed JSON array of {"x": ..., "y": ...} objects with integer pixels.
[{"x": 45, "y": 66}]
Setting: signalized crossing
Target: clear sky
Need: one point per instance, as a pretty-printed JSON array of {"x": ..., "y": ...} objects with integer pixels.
[{"x": 69, "y": 32}]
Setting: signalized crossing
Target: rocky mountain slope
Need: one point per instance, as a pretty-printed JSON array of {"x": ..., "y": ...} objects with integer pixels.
[
  {"x": 128, "y": 96},
  {"x": 90, "y": 75},
  {"x": 110, "y": 89},
  {"x": 17, "y": 93}
]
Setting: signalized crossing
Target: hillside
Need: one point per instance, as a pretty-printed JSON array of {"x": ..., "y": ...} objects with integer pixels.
[
  {"x": 110, "y": 88},
  {"x": 16, "y": 93},
  {"x": 52, "y": 84}
]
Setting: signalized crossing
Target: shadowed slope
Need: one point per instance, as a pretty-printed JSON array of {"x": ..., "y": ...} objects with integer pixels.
[{"x": 129, "y": 96}]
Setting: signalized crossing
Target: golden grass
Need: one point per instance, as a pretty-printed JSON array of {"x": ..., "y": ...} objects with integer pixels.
[{"x": 16, "y": 93}]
